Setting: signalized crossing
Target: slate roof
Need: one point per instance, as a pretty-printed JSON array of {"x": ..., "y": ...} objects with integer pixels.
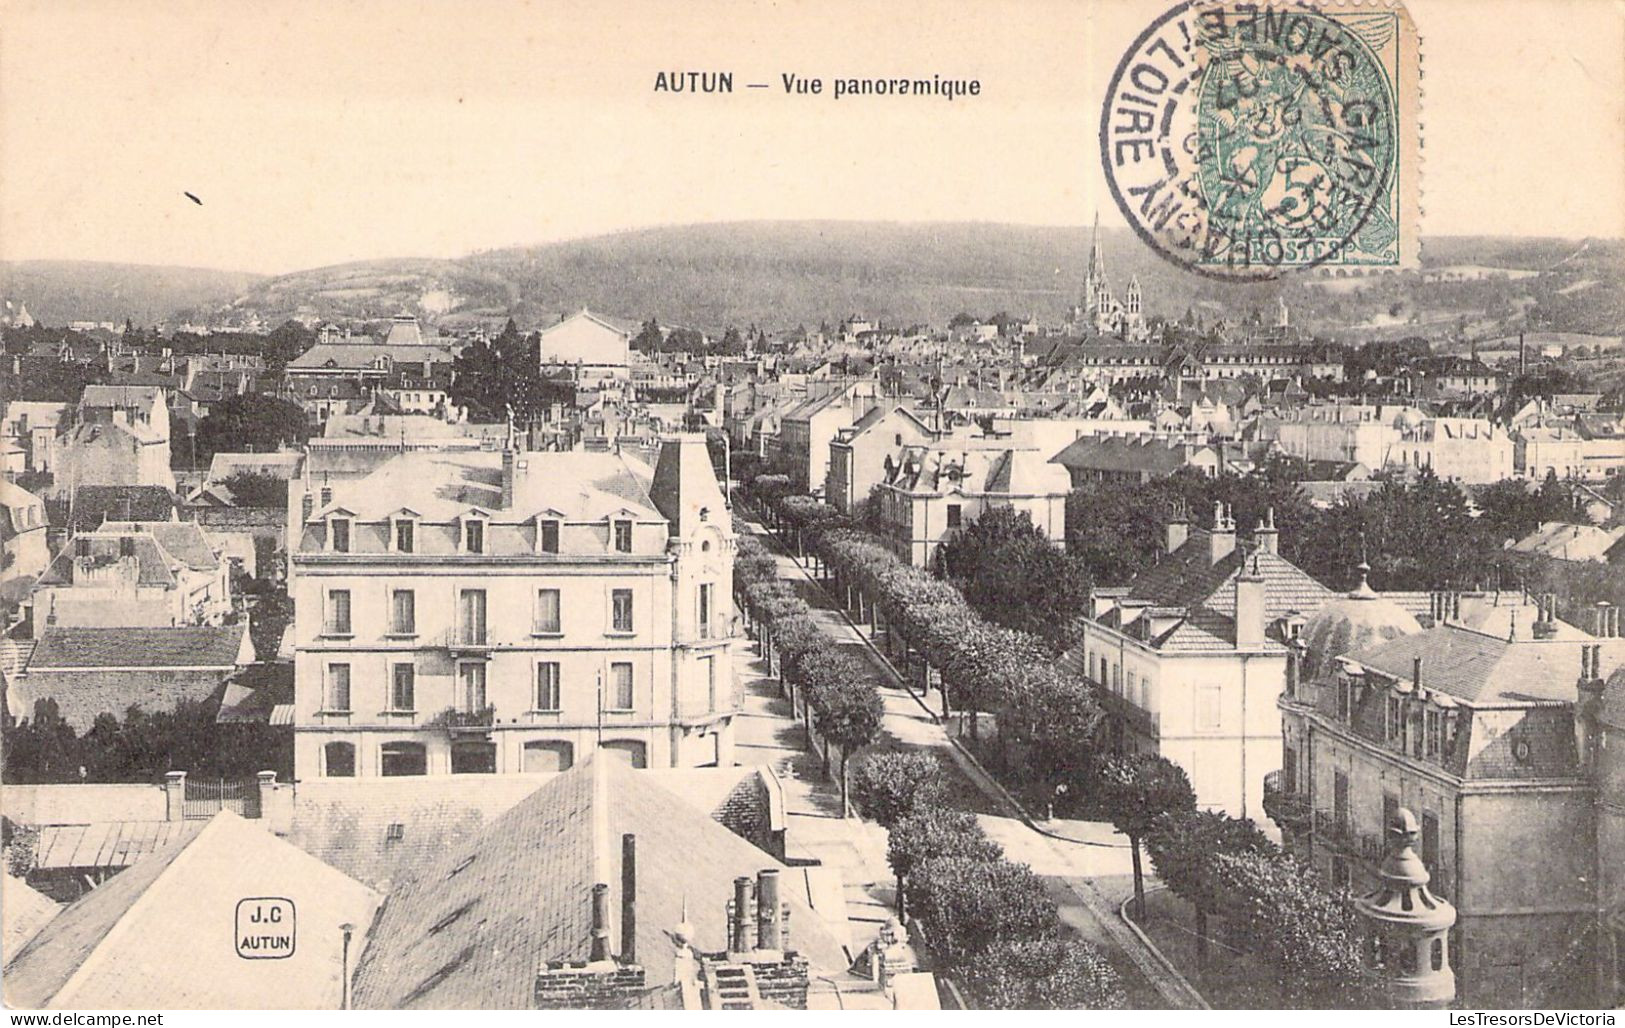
[
  {"x": 476, "y": 926},
  {"x": 1485, "y": 670},
  {"x": 360, "y": 356},
  {"x": 202, "y": 646},
  {"x": 153, "y": 563},
  {"x": 441, "y": 486},
  {"x": 1158, "y": 456},
  {"x": 1188, "y": 579},
  {"x": 348, "y": 823}
]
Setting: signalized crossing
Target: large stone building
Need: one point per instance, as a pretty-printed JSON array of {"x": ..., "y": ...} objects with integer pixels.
[
  {"x": 1474, "y": 724},
  {"x": 1190, "y": 657},
  {"x": 495, "y": 612},
  {"x": 931, "y": 492},
  {"x": 1099, "y": 311},
  {"x": 122, "y": 438},
  {"x": 858, "y": 454}
]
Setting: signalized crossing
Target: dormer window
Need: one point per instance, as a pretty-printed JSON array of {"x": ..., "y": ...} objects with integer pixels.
[
  {"x": 473, "y": 535},
  {"x": 623, "y": 536},
  {"x": 547, "y": 535},
  {"x": 405, "y": 535},
  {"x": 338, "y": 530}
]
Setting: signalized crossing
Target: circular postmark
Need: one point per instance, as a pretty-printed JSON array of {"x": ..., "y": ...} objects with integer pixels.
[{"x": 1241, "y": 141}]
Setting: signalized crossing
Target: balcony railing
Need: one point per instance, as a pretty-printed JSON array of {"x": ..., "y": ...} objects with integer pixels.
[
  {"x": 460, "y": 719},
  {"x": 1287, "y": 809},
  {"x": 465, "y": 640},
  {"x": 1333, "y": 830}
]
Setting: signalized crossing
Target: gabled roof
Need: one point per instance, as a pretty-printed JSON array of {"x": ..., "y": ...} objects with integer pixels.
[
  {"x": 1188, "y": 579},
  {"x": 153, "y": 935},
  {"x": 475, "y": 927}
]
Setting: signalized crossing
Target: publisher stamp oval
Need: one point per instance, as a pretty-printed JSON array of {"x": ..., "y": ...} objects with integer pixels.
[
  {"x": 266, "y": 928},
  {"x": 1242, "y": 141}
]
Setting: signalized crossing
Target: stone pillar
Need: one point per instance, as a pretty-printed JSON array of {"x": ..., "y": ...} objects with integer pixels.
[{"x": 174, "y": 795}]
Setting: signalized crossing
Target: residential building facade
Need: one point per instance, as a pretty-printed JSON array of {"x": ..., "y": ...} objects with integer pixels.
[{"x": 507, "y": 612}]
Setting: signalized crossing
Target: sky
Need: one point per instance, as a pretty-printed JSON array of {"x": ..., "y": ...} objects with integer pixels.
[{"x": 322, "y": 132}]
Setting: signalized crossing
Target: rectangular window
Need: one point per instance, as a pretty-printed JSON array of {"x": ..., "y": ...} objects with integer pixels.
[
  {"x": 474, "y": 536},
  {"x": 338, "y": 612},
  {"x": 547, "y": 612},
  {"x": 471, "y": 687},
  {"x": 1433, "y": 730},
  {"x": 620, "y": 680},
  {"x": 338, "y": 688},
  {"x": 1390, "y": 811},
  {"x": 955, "y": 515},
  {"x": 1430, "y": 842},
  {"x": 404, "y": 536},
  {"x": 1345, "y": 700},
  {"x": 550, "y": 537},
  {"x": 623, "y": 537},
  {"x": 710, "y": 665},
  {"x": 705, "y": 610},
  {"x": 471, "y": 617},
  {"x": 1207, "y": 708},
  {"x": 341, "y": 535},
  {"x": 547, "y": 685},
  {"x": 403, "y": 612},
  {"x": 621, "y": 610},
  {"x": 1393, "y": 726},
  {"x": 1289, "y": 770},
  {"x": 402, "y": 687},
  {"x": 1340, "y": 800}
]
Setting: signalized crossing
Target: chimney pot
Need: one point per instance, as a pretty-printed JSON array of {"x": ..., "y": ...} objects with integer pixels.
[
  {"x": 768, "y": 933},
  {"x": 739, "y": 928},
  {"x": 600, "y": 923}
]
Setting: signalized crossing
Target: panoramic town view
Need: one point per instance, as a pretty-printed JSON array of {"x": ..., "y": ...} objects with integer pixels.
[{"x": 818, "y": 615}]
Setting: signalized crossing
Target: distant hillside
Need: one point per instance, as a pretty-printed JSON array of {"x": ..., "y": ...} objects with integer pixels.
[
  {"x": 58, "y": 292},
  {"x": 779, "y": 274}
]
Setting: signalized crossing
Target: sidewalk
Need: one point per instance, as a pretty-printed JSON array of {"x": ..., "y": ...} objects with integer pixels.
[{"x": 1067, "y": 864}]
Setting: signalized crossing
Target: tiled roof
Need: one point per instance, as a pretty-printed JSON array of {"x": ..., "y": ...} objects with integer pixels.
[
  {"x": 184, "y": 541},
  {"x": 1188, "y": 579},
  {"x": 200, "y": 646},
  {"x": 153, "y": 563},
  {"x": 476, "y": 926},
  {"x": 1484, "y": 669}
]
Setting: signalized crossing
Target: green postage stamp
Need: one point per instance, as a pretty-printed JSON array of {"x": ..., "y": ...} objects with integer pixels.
[{"x": 1246, "y": 140}]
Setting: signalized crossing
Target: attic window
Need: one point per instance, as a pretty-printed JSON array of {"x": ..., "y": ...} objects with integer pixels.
[
  {"x": 473, "y": 535},
  {"x": 705, "y": 513},
  {"x": 623, "y": 536},
  {"x": 395, "y": 832},
  {"x": 405, "y": 535},
  {"x": 339, "y": 534}
]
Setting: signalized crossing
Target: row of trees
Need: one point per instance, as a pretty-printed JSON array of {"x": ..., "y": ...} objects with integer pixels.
[
  {"x": 825, "y": 685},
  {"x": 987, "y": 919},
  {"x": 142, "y": 746},
  {"x": 1047, "y": 717}
]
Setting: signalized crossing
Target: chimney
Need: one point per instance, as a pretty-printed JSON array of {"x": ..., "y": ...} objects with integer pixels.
[
  {"x": 1267, "y": 538},
  {"x": 629, "y": 898},
  {"x": 1178, "y": 530},
  {"x": 1222, "y": 538},
  {"x": 769, "y": 934},
  {"x": 739, "y": 917},
  {"x": 1416, "y": 673},
  {"x": 507, "y": 478},
  {"x": 1249, "y": 607},
  {"x": 600, "y": 923}
]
